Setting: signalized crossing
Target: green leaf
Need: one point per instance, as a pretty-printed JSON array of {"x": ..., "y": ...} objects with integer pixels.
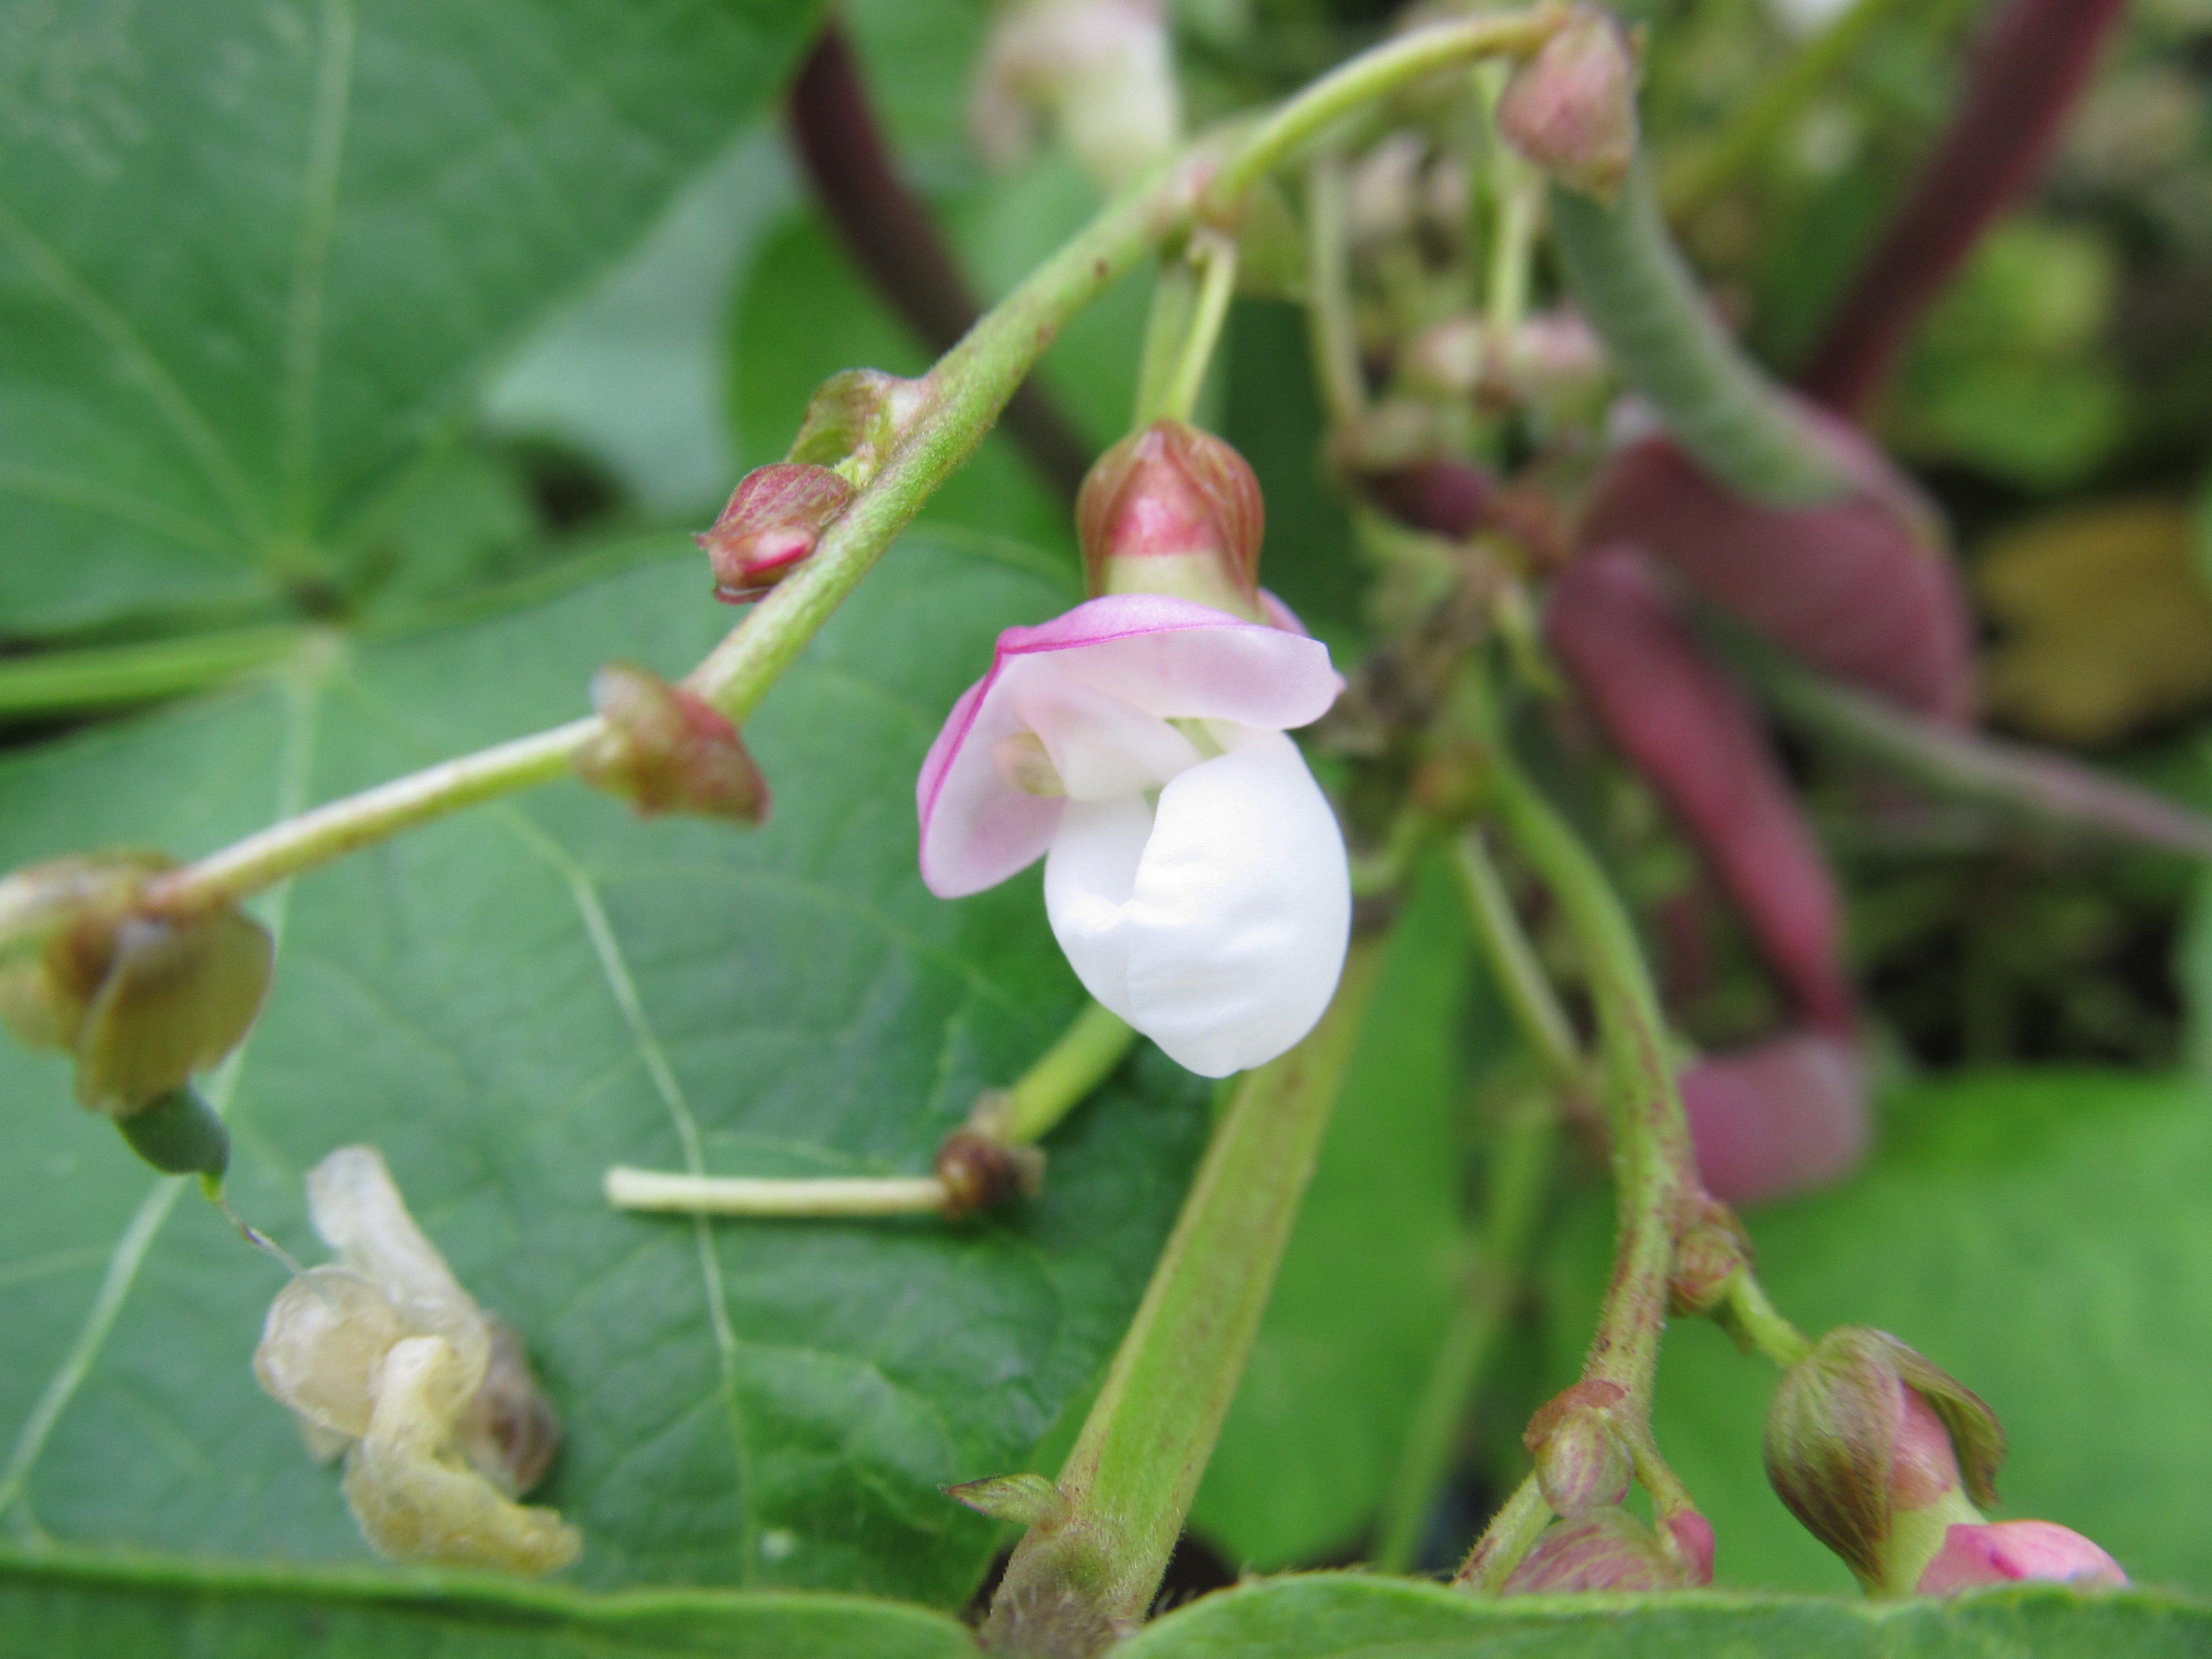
[
  {"x": 253, "y": 252},
  {"x": 511, "y": 1001},
  {"x": 1367, "y": 1284},
  {"x": 83, "y": 1608},
  {"x": 2039, "y": 1235},
  {"x": 1343, "y": 1616}
]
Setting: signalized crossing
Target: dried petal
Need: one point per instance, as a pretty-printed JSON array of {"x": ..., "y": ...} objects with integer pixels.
[
  {"x": 323, "y": 1346},
  {"x": 510, "y": 1433},
  {"x": 358, "y": 1212}
]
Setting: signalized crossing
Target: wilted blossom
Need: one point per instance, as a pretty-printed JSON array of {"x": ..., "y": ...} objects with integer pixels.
[
  {"x": 1102, "y": 71},
  {"x": 1194, "y": 873},
  {"x": 384, "y": 1357}
]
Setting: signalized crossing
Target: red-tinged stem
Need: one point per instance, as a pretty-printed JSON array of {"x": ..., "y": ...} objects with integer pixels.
[
  {"x": 2027, "y": 72},
  {"x": 890, "y": 232}
]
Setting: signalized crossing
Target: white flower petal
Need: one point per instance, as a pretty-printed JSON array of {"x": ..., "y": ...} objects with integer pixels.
[
  {"x": 1089, "y": 876},
  {"x": 1100, "y": 745},
  {"x": 1223, "y": 939}
]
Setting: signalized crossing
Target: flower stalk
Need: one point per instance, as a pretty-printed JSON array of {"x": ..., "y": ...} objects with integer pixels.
[{"x": 1077, "y": 1584}]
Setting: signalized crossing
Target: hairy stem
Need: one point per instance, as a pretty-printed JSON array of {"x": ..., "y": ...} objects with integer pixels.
[
  {"x": 1520, "y": 1176},
  {"x": 1512, "y": 1534},
  {"x": 1526, "y": 989},
  {"x": 963, "y": 395},
  {"x": 891, "y": 233},
  {"x": 1215, "y": 255},
  {"x": 2026, "y": 73},
  {"x": 1757, "y": 130},
  {"x": 1746, "y": 1314},
  {"x": 1352, "y": 85},
  {"x": 1634, "y": 288},
  {"x": 1076, "y": 1584}
]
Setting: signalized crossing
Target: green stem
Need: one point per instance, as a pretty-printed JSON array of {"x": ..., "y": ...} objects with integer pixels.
[
  {"x": 1517, "y": 191},
  {"x": 1527, "y": 988},
  {"x": 1746, "y": 1313},
  {"x": 1520, "y": 1177},
  {"x": 1216, "y": 258},
  {"x": 1636, "y": 291},
  {"x": 106, "y": 676},
  {"x": 1758, "y": 129},
  {"x": 1961, "y": 764},
  {"x": 1063, "y": 1076},
  {"x": 1334, "y": 340},
  {"x": 963, "y": 395},
  {"x": 1167, "y": 325},
  {"x": 1512, "y": 1534},
  {"x": 1412, "y": 57},
  {"x": 1076, "y": 1584}
]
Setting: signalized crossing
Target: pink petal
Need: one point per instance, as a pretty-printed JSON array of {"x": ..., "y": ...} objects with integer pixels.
[
  {"x": 2007, "y": 1551},
  {"x": 1693, "y": 733},
  {"x": 1784, "y": 1115},
  {"x": 1166, "y": 657}
]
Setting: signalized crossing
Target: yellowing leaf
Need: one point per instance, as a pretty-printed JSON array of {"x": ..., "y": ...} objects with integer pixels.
[{"x": 2107, "y": 623}]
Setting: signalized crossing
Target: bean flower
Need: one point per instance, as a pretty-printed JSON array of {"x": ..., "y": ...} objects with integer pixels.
[{"x": 1194, "y": 873}]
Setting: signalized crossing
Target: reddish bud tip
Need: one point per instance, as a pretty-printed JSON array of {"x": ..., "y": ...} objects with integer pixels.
[
  {"x": 1693, "y": 1535},
  {"x": 1606, "y": 1550},
  {"x": 2008, "y": 1552},
  {"x": 1572, "y": 109},
  {"x": 773, "y": 520},
  {"x": 664, "y": 748},
  {"x": 1171, "y": 509}
]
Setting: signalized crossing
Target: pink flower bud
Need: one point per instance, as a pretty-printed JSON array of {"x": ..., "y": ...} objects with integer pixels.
[
  {"x": 1693, "y": 1542},
  {"x": 2008, "y": 1552},
  {"x": 1572, "y": 109},
  {"x": 1781, "y": 1116},
  {"x": 1606, "y": 1550},
  {"x": 1582, "y": 1462},
  {"x": 664, "y": 749},
  {"x": 773, "y": 520},
  {"x": 1864, "y": 1432},
  {"x": 1174, "y": 510}
]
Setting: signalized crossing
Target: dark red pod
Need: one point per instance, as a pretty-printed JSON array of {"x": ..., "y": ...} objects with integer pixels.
[
  {"x": 1861, "y": 588},
  {"x": 1687, "y": 727}
]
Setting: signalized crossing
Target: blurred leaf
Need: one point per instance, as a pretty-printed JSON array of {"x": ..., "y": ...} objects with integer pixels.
[
  {"x": 2036, "y": 1234},
  {"x": 633, "y": 375},
  {"x": 1368, "y": 1280},
  {"x": 2109, "y": 623},
  {"x": 82, "y": 1607},
  {"x": 2009, "y": 375},
  {"x": 1340, "y": 1616},
  {"x": 511, "y": 1001},
  {"x": 253, "y": 252}
]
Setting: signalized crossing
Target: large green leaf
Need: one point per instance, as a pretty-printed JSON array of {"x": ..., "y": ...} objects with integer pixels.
[
  {"x": 1340, "y": 1616},
  {"x": 87, "y": 1608},
  {"x": 1368, "y": 1282},
  {"x": 2039, "y": 1235},
  {"x": 513, "y": 1000},
  {"x": 254, "y": 253}
]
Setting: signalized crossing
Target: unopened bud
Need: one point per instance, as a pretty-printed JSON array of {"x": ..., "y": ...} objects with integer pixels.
[
  {"x": 664, "y": 749},
  {"x": 385, "y": 1356},
  {"x": 1171, "y": 509},
  {"x": 1605, "y": 1550},
  {"x": 773, "y": 519},
  {"x": 1691, "y": 1535},
  {"x": 143, "y": 998},
  {"x": 1582, "y": 1462},
  {"x": 1864, "y": 1434},
  {"x": 981, "y": 1174},
  {"x": 2010, "y": 1552},
  {"x": 1026, "y": 1500},
  {"x": 1572, "y": 109},
  {"x": 1711, "y": 1249}
]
